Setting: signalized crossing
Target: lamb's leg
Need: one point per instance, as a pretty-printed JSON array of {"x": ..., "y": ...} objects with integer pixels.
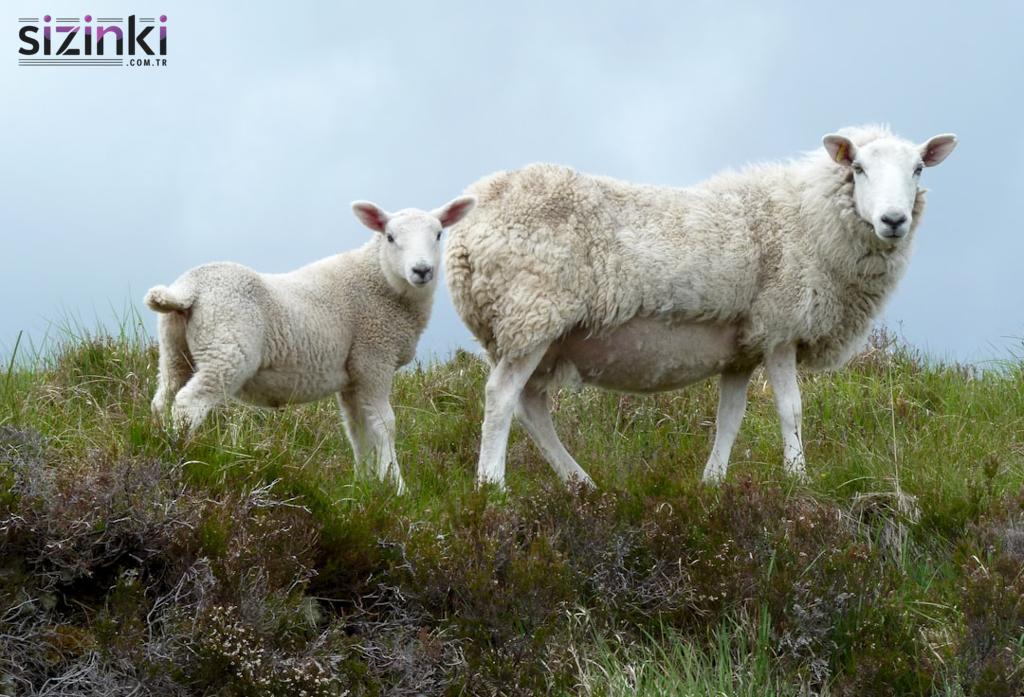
[
  {"x": 534, "y": 412},
  {"x": 732, "y": 403},
  {"x": 204, "y": 391},
  {"x": 221, "y": 372},
  {"x": 175, "y": 366},
  {"x": 781, "y": 367},
  {"x": 504, "y": 385},
  {"x": 355, "y": 427},
  {"x": 380, "y": 422}
]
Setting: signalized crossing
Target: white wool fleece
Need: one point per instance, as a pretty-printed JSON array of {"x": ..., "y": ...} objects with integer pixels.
[
  {"x": 342, "y": 325},
  {"x": 777, "y": 249}
]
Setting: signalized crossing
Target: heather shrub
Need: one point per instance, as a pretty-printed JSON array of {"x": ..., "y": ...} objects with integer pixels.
[
  {"x": 250, "y": 560},
  {"x": 85, "y": 519},
  {"x": 991, "y": 590}
]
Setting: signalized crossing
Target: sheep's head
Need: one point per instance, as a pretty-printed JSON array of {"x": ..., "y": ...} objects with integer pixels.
[
  {"x": 885, "y": 177},
  {"x": 411, "y": 248}
]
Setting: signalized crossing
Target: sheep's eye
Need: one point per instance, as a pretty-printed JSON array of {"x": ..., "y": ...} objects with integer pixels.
[
  {"x": 438, "y": 236},
  {"x": 918, "y": 170},
  {"x": 391, "y": 238},
  {"x": 857, "y": 168}
]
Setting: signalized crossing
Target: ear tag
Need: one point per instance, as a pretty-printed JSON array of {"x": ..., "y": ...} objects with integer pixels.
[{"x": 841, "y": 152}]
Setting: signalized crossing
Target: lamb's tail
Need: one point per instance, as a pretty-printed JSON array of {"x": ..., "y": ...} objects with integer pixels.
[{"x": 170, "y": 299}]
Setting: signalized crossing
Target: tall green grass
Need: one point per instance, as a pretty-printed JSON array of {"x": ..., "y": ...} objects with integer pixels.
[{"x": 732, "y": 660}]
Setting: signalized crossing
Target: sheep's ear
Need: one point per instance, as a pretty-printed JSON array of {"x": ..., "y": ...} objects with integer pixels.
[
  {"x": 840, "y": 148},
  {"x": 371, "y": 215},
  {"x": 454, "y": 211},
  {"x": 937, "y": 149}
]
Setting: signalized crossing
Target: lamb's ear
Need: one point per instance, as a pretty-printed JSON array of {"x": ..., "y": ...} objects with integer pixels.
[
  {"x": 840, "y": 148},
  {"x": 937, "y": 149},
  {"x": 454, "y": 211},
  {"x": 371, "y": 215}
]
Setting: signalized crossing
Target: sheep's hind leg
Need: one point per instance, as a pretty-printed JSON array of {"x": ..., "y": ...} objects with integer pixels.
[
  {"x": 355, "y": 427},
  {"x": 732, "y": 403},
  {"x": 781, "y": 368},
  {"x": 196, "y": 399},
  {"x": 175, "y": 366},
  {"x": 504, "y": 385},
  {"x": 219, "y": 375},
  {"x": 534, "y": 413}
]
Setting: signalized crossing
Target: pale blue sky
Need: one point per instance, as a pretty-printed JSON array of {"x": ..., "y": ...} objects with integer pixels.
[{"x": 267, "y": 122}]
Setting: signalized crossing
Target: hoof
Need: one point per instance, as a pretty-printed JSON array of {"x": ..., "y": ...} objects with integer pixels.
[
  {"x": 158, "y": 408},
  {"x": 713, "y": 475},
  {"x": 580, "y": 480},
  {"x": 799, "y": 474},
  {"x": 484, "y": 482}
]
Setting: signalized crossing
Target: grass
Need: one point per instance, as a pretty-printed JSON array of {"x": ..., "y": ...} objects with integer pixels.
[
  {"x": 250, "y": 560},
  {"x": 727, "y": 662}
]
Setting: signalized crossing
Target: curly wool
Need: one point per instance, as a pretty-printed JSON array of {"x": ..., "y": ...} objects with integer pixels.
[{"x": 776, "y": 249}]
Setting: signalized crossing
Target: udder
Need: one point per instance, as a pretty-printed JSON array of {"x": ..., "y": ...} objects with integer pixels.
[{"x": 649, "y": 354}]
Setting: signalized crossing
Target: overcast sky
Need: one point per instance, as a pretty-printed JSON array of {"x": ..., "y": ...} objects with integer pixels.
[{"x": 266, "y": 122}]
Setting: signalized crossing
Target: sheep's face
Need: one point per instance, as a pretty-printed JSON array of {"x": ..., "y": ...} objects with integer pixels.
[
  {"x": 411, "y": 248},
  {"x": 885, "y": 177}
]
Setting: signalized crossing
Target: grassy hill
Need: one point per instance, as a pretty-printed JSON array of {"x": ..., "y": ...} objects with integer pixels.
[{"x": 249, "y": 561}]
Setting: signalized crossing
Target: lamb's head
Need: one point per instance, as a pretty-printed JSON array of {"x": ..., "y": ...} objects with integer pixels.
[
  {"x": 886, "y": 171},
  {"x": 411, "y": 249}
]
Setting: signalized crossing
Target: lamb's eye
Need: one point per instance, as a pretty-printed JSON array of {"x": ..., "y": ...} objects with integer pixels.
[
  {"x": 391, "y": 238},
  {"x": 438, "y": 236},
  {"x": 857, "y": 168},
  {"x": 918, "y": 170}
]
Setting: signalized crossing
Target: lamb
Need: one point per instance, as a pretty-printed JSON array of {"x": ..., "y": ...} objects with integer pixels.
[
  {"x": 562, "y": 275},
  {"x": 342, "y": 325}
]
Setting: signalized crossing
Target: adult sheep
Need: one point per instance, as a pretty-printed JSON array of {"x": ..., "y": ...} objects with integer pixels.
[
  {"x": 342, "y": 325},
  {"x": 646, "y": 288}
]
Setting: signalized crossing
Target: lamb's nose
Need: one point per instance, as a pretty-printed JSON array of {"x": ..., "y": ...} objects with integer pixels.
[
  {"x": 894, "y": 220},
  {"x": 423, "y": 272}
]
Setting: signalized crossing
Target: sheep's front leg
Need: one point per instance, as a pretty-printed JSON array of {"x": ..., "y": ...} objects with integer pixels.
[
  {"x": 355, "y": 428},
  {"x": 732, "y": 403},
  {"x": 504, "y": 385},
  {"x": 781, "y": 367},
  {"x": 380, "y": 424}
]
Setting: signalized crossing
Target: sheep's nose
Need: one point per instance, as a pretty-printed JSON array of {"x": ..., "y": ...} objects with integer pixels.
[
  {"x": 894, "y": 220},
  {"x": 423, "y": 272}
]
